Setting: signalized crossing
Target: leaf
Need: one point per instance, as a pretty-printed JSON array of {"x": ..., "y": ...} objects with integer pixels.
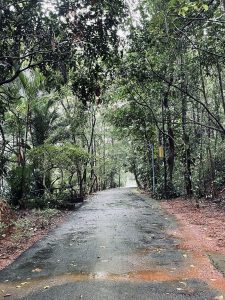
[
  {"x": 38, "y": 270},
  {"x": 185, "y": 8},
  {"x": 219, "y": 297},
  {"x": 46, "y": 287},
  {"x": 205, "y": 7}
]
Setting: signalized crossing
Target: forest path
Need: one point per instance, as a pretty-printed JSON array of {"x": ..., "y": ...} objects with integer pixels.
[{"x": 116, "y": 246}]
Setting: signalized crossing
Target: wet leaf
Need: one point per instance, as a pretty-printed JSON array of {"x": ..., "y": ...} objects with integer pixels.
[
  {"x": 36, "y": 270},
  {"x": 46, "y": 287}
]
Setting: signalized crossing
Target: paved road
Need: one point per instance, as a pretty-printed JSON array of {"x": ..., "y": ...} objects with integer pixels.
[{"x": 114, "y": 247}]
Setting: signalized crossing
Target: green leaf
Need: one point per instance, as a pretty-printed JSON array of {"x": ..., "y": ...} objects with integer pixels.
[{"x": 205, "y": 7}]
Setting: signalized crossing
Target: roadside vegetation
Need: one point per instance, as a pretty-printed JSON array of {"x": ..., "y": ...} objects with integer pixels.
[
  {"x": 56, "y": 63},
  {"x": 171, "y": 93}
]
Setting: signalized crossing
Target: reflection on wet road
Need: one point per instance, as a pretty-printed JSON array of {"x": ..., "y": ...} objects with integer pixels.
[{"x": 114, "y": 247}]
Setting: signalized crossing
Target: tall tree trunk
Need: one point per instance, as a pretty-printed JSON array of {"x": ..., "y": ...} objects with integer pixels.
[
  {"x": 221, "y": 85},
  {"x": 171, "y": 145},
  {"x": 164, "y": 147},
  {"x": 212, "y": 168},
  {"x": 185, "y": 138}
]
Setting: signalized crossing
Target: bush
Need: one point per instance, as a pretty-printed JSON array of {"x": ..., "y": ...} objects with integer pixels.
[
  {"x": 20, "y": 182},
  {"x": 45, "y": 216},
  {"x": 22, "y": 229}
]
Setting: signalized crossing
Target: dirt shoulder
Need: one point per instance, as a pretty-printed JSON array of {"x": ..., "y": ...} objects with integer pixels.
[
  {"x": 206, "y": 225},
  {"x": 21, "y": 229},
  {"x": 202, "y": 234}
]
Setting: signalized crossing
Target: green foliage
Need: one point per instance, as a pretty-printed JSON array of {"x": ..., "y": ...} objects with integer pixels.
[
  {"x": 57, "y": 156},
  {"x": 19, "y": 180},
  {"x": 169, "y": 93},
  {"x": 36, "y": 33},
  {"x": 54, "y": 69},
  {"x": 166, "y": 94}
]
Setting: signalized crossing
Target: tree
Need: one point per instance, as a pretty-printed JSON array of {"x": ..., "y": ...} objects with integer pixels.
[{"x": 169, "y": 73}]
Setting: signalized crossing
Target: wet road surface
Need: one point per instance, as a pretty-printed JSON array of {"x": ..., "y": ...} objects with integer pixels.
[{"x": 115, "y": 246}]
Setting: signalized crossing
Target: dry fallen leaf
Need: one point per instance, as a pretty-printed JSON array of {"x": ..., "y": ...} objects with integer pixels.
[
  {"x": 180, "y": 289},
  {"x": 46, "y": 287},
  {"x": 185, "y": 255},
  {"x": 23, "y": 283},
  {"x": 7, "y": 295},
  {"x": 36, "y": 270},
  {"x": 219, "y": 297}
]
